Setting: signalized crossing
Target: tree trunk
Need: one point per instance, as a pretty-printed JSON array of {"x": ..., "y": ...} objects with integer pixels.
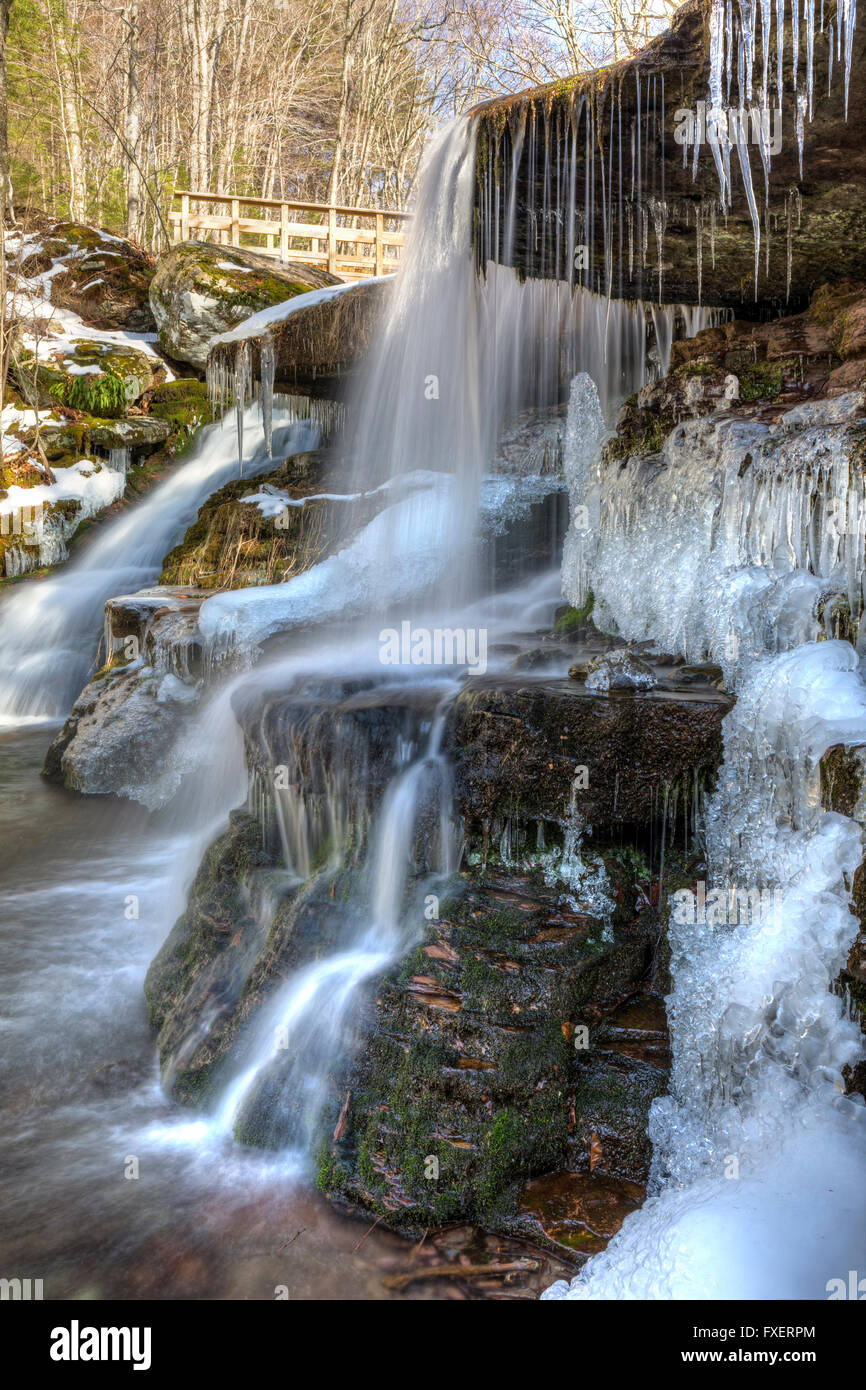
[
  {"x": 134, "y": 209},
  {"x": 5, "y": 181}
]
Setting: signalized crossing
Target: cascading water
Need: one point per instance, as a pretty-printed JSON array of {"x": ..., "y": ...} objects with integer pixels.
[
  {"x": 458, "y": 357},
  {"x": 758, "y": 1152},
  {"x": 306, "y": 1027},
  {"x": 49, "y": 632}
]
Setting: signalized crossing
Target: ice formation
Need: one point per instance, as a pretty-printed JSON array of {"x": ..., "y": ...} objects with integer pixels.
[{"x": 747, "y": 545}]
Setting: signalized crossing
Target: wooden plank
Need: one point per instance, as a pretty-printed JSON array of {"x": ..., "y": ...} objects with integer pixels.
[
  {"x": 284, "y": 232},
  {"x": 380, "y": 250},
  {"x": 236, "y": 231},
  {"x": 204, "y": 220},
  {"x": 184, "y": 217},
  {"x": 355, "y": 234},
  {"x": 305, "y": 207}
]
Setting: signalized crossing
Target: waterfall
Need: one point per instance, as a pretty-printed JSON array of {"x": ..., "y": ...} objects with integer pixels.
[
  {"x": 458, "y": 355},
  {"x": 753, "y": 568},
  {"x": 49, "y": 632}
]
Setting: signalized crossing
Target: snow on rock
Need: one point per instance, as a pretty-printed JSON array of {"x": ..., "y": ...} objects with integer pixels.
[
  {"x": 258, "y": 324},
  {"x": 398, "y": 555}
]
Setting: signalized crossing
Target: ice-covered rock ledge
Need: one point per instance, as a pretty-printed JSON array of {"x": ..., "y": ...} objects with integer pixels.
[
  {"x": 739, "y": 534},
  {"x": 310, "y": 342}
]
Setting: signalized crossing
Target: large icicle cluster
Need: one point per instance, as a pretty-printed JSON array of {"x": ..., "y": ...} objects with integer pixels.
[
  {"x": 733, "y": 46},
  {"x": 532, "y": 166},
  {"x": 747, "y": 543}
]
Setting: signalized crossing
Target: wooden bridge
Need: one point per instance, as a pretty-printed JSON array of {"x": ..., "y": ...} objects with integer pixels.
[{"x": 352, "y": 243}]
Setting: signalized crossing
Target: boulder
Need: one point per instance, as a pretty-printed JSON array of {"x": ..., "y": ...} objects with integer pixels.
[
  {"x": 126, "y": 720},
  {"x": 200, "y": 291},
  {"x": 107, "y": 279}
]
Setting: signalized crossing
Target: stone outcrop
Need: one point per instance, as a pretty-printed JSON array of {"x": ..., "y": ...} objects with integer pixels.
[
  {"x": 315, "y": 345},
  {"x": 468, "y": 1051},
  {"x": 235, "y": 543},
  {"x": 126, "y": 720},
  {"x": 755, "y": 371},
  {"x": 200, "y": 290}
]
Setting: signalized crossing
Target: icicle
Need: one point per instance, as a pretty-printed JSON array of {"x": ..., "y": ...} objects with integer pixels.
[
  {"x": 659, "y": 213},
  {"x": 849, "y": 16},
  {"x": 729, "y": 46},
  {"x": 716, "y": 132},
  {"x": 765, "y": 42},
  {"x": 758, "y": 118},
  {"x": 746, "y": 169},
  {"x": 241, "y": 390},
  {"x": 267, "y": 372},
  {"x": 697, "y": 146},
  {"x": 795, "y": 41},
  {"x": 747, "y": 43},
  {"x": 118, "y": 460},
  {"x": 830, "y": 62},
  {"x": 699, "y": 246},
  {"x": 792, "y": 199},
  {"x": 630, "y": 221},
  {"x": 810, "y": 50},
  {"x": 713, "y": 232},
  {"x": 802, "y": 102}
]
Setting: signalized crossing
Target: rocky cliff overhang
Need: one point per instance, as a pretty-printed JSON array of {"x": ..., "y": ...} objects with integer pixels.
[{"x": 586, "y": 179}]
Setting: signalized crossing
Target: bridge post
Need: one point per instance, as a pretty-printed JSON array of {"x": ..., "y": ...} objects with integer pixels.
[{"x": 332, "y": 240}]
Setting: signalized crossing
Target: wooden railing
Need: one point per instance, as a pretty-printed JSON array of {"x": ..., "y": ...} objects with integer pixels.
[{"x": 349, "y": 242}]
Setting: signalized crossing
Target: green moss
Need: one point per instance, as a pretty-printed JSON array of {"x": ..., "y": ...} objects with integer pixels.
[
  {"x": 697, "y": 367},
  {"x": 762, "y": 381},
  {"x": 646, "y": 438},
  {"x": 183, "y": 391},
  {"x": 574, "y": 617}
]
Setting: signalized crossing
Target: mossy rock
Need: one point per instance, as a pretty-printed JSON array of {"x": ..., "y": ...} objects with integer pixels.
[
  {"x": 763, "y": 381},
  {"x": 200, "y": 291},
  {"x": 98, "y": 379}
]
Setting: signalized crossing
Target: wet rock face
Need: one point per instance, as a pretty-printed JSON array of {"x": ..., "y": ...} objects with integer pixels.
[
  {"x": 619, "y": 670},
  {"x": 285, "y": 529},
  {"x": 704, "y": 257},
  {"x": 201, "y": 290},
  {"x": 500, "y": 1046},
  {"x": 807, "y": 363},
  {"x": 322, "y": 755},
  {"x": 490, "y": 1059},
  {"x": 518, "y": 748}
]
